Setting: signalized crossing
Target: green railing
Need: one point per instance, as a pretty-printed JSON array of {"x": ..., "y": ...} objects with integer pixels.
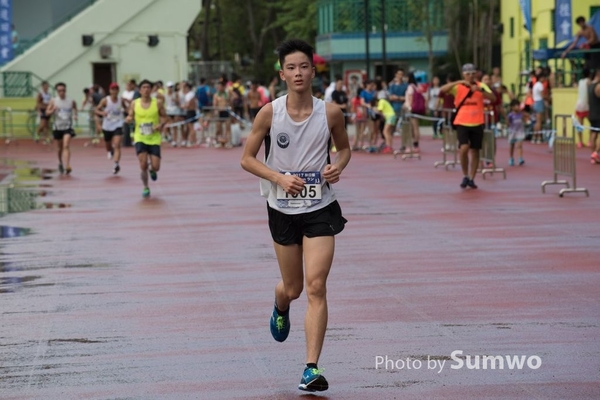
[
  {"x": 568, "y": 71},
  {"x": 20, "y": 83},
  {"x": 24, "y": 45}
]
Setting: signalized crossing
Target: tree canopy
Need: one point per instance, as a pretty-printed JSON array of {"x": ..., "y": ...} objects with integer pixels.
[{"x": 249, "y": 31}]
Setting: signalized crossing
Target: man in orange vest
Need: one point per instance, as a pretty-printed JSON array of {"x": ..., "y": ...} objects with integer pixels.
[{"x": 468, "y": 100}]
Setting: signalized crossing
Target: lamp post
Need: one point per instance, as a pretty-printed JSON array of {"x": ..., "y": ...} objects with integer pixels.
[
  {"x": 367, "y": 27},
  {"x": 383, "y": 49}
]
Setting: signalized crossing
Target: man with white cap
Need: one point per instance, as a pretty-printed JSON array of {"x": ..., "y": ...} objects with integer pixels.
[{"x": 469, "y": 119}]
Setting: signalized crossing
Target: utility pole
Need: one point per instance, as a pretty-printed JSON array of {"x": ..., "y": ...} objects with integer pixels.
[
  {"x": 367, "y": 27},
  {"x": 383, "y": 39}
]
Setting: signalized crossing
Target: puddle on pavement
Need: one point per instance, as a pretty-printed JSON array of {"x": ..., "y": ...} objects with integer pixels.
[
  {"x": 13, "y": 231},
  {"x": 77, "y": 340},
  {"x": 22, "y": 193},
  {"x": 10, "y": 284},
  {"x": 25, "y": 174}
]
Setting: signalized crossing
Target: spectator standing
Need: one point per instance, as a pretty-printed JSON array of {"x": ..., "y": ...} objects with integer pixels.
[
  {"x": 340, "y": 97},
  {"x": 433, "y": 102},
  {"x": 582, "y": 106}
]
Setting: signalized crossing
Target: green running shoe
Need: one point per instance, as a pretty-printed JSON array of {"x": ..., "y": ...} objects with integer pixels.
[
  {"x": 280, "y": 325},
  {"x": 313, "y": 381}
]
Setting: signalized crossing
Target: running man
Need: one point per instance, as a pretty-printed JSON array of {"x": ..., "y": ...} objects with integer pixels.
[
  {"x": 304, "y": 215},
  {"x": 111, "y": 110},
  {"x": 65, "y": 112},
  {"x": 469, "y": 95},
  {"x": 150, "y": 119},
  {"x": 43, "y": 99}
]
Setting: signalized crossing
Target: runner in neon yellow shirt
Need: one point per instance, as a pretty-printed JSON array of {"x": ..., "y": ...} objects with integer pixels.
[{"x": 150, "y": 119}]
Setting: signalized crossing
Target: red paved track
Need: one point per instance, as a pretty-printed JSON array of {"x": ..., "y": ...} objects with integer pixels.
[{"x": 169, "y": 298}]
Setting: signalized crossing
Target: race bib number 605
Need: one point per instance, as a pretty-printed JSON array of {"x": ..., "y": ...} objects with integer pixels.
[{"x": 309, "y": 196}]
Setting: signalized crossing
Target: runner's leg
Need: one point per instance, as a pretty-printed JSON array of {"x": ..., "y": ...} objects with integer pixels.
[
  {"x": 290, "y": 287},
  {"x": 143, "y": 159},
  {"x": 155, "y": 163},
  {"x": 66, "y": 151},
  {"x": 108, "y": 143},
  {"x": 318, "y": 255},
  {"x": 116, "y": 147}
]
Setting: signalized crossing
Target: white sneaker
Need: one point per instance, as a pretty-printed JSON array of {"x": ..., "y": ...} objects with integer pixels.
[
  {"x": 173, "y": 144},
  {"x": 109, "y": 155}
]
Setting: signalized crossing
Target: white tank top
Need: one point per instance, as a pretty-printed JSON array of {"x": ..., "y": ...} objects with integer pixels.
[
  {"x": 46, "y": 97},
  {"x": 170, "y": 105},
  {"x": 114, "y": 117},
  {"x": 63, "y": 116},
  {"x": 582, "y": 96},
  {"x": 298, "y": 147}
]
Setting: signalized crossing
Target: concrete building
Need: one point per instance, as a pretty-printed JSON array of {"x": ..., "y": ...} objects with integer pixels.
[{"x": 108, "y": 40}]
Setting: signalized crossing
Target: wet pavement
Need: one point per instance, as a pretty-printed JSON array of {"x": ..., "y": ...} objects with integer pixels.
[{"x": 104, "y": 295}]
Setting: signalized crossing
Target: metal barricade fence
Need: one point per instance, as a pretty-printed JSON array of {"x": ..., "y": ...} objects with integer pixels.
[
  {"x": 406, "y": 138},
  {"x": 214, "y": 127},
  {"x": 564, "y": 158},
  {"x": 23, "y": 124},
  {"x": 449, "y": 141},
  {"x": 487, "y": 155}
]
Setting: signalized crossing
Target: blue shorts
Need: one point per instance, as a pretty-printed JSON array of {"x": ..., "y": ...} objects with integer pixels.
[{"x": 539, "y": 107}]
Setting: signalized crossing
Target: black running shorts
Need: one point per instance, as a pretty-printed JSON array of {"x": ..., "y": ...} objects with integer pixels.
[
  {"x": 58, "y": 135},
  {"x": 290, "y": 229},
  {"x": 471, "y": 135},
  {"x": 108, "y": 135},
  {"x": 190, "y": 116},
  {"x": 153, "y": 150}
]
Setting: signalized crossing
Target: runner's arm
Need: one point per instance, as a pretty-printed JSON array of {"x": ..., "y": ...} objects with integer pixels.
[
  {"x": 75, "y": 116},
  {"x": 50, "y": 109},
  {"x": 261, "y": 127},
  {"x": 38, "y": 102},
  {"x": 131, "y": 115},
  {"x": 335, "y": 120},
  {"x": 100, "y": 107},
  {"x": 162, "y": 114}
]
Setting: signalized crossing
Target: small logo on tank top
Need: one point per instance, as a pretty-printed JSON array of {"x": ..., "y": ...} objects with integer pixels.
[{"x": 283, "y": 140}]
